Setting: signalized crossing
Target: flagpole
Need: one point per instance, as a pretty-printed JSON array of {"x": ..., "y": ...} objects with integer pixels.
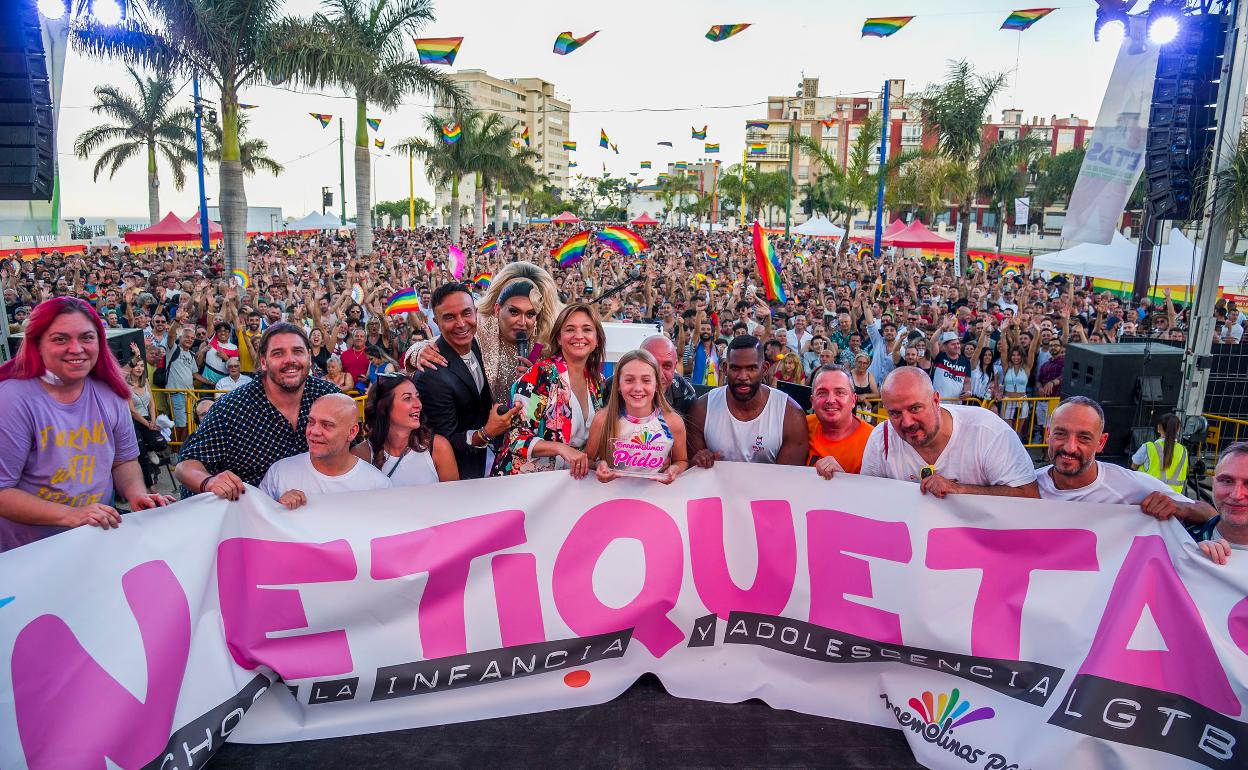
[
  {"x": 411, "y": 194},
  {"x": 342, "y": 176},
  {"x": 745, "y": 154}
]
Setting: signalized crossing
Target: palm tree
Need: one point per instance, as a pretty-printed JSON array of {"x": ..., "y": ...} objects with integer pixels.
[
  {"x": 253, "y": 154},
  {"x": 144, "y": 124},
  {"x": 358, "y": 45},
  {"x": 955, "y": 108},
  {"x": 1231, "y": 185},
  {"x": 1003, "y": 176},
  {"x": 518, "y": 178},
  {"x": 677, "y": 186},
  {"x": 514, "y": 160},
  {"x": 484, "y": 146},
  {"x": 851, "y": 187},
  {"x": 232, "y": 43}
]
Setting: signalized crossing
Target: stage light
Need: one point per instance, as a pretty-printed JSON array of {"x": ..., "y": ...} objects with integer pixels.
[
  {"x": 106, "y": 12},
  {"x": 1163, "y": 29},
  {"x": 1112, "y": 31},
  {"x": 52, "y": 9}
]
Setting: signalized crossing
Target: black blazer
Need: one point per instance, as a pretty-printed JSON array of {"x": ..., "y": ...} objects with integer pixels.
[{"x": 454, "y": 406}]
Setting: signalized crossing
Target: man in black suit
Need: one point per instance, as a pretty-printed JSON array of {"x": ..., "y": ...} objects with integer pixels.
[{"x": 457, "y": 396}]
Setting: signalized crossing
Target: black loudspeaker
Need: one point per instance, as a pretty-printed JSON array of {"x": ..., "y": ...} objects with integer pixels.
[
  {"x": 118, "y": 341},
  {"x": 27, "y": 141},
  {"x": 1124, "y": 374}
]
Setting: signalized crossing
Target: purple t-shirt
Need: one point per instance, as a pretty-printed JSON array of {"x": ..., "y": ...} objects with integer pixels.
[{"x": 63, "y": 453}]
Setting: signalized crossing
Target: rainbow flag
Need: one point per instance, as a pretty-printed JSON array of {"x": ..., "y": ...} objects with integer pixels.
[
  {"x": 768, "y": 266},
  {"x": 757, "y": 125},
  {"x": 379, "y": 144},
  {"x": 566, "y": 43},
  {"x": 438, "y": 50},
  {"x": 405, "y": 301},
  {"x": 323, "y": 117},
  {"x": 572, "y": 250},
  {"x": 572, "y": 164},
  {"x": 241, "y": 277},
  {"x": 1022, "y": 20},
  {"x": 680, "y": 165},
  {"x": 645, "y": 164},
  {"x": 712, "y": 255},
  {"x": 758, "y": 148},
  {"x": 979, "y": 262},
  {"x": 698, "y": 134},
  {"x": 456, "y": 261},
  {"x": 482, "y": 280},
  {"x": 719, "y": 32},
  {"x": 623, "y": 240},
  {"x": 864, "y": 252},
  {"x": 709, "y": 148},
  {"x": 524, "y": 136},
  {"x": 615, "y": 149},
  {"x": 488, "y": 246},
  {"x": 1010, "y": 270},
  {"x": 662, "y": 175},
  {"x": 451, "y": 132},
  {"x": 800, "y": 256},
  {"x": 603, "y": 141},
  {"x": 373, "y": 123},
  {"x": 665, "y": 144},
  {"x": 884, "y": 26},
  {"x": 827, "y": 123},
  {"x": 569, "y": 146}
]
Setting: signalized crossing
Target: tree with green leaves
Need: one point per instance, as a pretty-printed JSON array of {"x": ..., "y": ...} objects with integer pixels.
[
  {"x": 253, "y": 153},
  {"x": 144, "y": 123},
  {"x": 676, "y": 186},
  {"x": 358, "y": 45},
  {"x": 955, "y": 108},
  {"x": 1002, "y": 172},
  {"x": 396, "y": 210},
  {"x": 1232, "y": 192},
  {"x": 852, "y": 187}
]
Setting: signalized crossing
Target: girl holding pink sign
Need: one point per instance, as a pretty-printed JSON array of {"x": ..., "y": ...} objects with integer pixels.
[{"x": 637, "y": 433}]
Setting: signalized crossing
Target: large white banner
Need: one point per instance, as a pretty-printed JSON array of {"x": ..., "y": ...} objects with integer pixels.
[{"x": 994, "y": 633}]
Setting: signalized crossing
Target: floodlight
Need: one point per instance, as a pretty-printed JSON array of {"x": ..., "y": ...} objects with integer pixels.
[
  {"x": 52, "y": 9},
  {"x": 106, "y": 12},
  {"x": 1163, "y": 28},
  {"x": 1111, "y": 31}
]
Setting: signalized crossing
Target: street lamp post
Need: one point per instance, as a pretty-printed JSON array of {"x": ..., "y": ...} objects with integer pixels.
[{"x": 788, "y": 191}]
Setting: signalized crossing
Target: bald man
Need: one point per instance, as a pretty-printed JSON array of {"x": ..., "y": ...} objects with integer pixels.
[
  {"x": 328, "y": 466},
  {"x": 678, "y": 390},
  {"x": 946, "y": 449}
]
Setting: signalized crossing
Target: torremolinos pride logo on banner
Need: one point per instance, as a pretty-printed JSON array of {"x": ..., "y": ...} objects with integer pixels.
[{"x": 934, "y": 719}]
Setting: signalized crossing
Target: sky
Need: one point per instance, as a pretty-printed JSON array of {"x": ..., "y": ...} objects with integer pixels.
[{"x": 649, "y": 75}]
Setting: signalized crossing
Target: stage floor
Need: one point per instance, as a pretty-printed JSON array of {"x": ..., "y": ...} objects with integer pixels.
[{"x": 643, "y": 728}]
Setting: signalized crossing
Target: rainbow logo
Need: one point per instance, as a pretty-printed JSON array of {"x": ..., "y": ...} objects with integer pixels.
[
  {"x": 1020, "y": 21},
  {"x": 758, "y": 148},
  {"x": 569, "y": 146},
  {"x": 645, "y": 437},
  {"x": 768, "y": 266},
  {"x": 373, "y": 123},
  {"x": 698, "y": 134},
  {"x": 566, "y": 43},
  {"x": 572, "y": 250},
  {"x": 438, "y": 50},
  {"x": 884, "y": 26},
  {"x": 241, "y": 277},
  {"x": 719, "y": 32},
  {"x": 979, "y": 262},
  {"x": 488, "y": 246},
  {"x": 864, "y": 252},
  {"x": 482, "y": 280},
  {"x": 757, "y": 125},
  {"x": 623, "y": 240},
  {"x": 405, "y": 301},
  {"x": 1010, "y": 270},
  {"x": 451, "y": 132},
  {"x": 325, "y": 118},
  {"x": 708, "y": 147},
  {"x": 937, "y": 710}
]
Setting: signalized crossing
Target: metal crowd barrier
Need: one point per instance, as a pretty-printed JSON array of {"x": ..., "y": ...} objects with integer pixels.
[{"x": 1028, "y": 426}]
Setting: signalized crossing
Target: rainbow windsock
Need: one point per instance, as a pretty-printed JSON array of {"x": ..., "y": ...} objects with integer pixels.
[
  {"x": 482, "y": 280},
  {"x": 572, "y": 250},
  {"x": 451, "y": 132},
  {"x": 1022, "y": 20},
  {"x": 758, "y": 125},
  {"x": 698, "y": 134},
  {"x": 623, "y": 240},
  {"x": 524, "y": 136},
  {"x": 405, "y": 301},
  {"x": 379, "y": 144},
  {"x": 569, "y": 146},
  {"x": 758, "y": 148},
  {"x": 768, "y": 266},
  {"x": 241, "y": 277},
  {"x": 438, "y": 50},
  {"x": 603, "y": 141},
  {"x": 373, "y": 123},
  {"x": 323, "y": 117},
  {"x": 566, "y": 43},
  {"x": 488, "y": 246},
  {"x": 456, "y": 261},
  {"x": 884, "y": 26},
  {"x": 719, "y": 32},
  {"x": 709, "y": 148}
]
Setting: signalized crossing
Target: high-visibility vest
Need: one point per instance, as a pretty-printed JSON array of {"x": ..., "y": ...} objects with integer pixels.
[{"x": 1175, "y": 476}]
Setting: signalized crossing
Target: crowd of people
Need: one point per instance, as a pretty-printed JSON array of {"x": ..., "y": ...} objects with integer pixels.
[{"x": 502, "y": 371}]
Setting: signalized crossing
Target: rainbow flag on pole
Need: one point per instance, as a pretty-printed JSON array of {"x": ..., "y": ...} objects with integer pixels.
[
  {"x": 884, "y": 26},
  {"x": 1022, "y": 20},
  {"x": 572, "y": 250},
  {"x": 758, "y": 148},
  {"x": 623, "y": 240},
  {"x": 768, "y": 266},
  {"x": 488, "y": 246},
  {"x": 482, "y": 280},
  {"x": 323, "y": 117},
  {"x": 719, "y": 32},
  {"x": 566, "y": 43},
  {"x": 438, "y": 50},
  {"x": 405, "y": 301}
]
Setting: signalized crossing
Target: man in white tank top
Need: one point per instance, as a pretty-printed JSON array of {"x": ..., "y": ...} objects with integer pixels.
[{"x": 746, "y": 421}]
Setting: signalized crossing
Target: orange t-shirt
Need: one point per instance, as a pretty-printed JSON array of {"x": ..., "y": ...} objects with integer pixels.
[{"x": 847, "y": 451}]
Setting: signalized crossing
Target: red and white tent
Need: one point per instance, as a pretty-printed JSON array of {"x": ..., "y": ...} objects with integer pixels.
[
  {"x": 644, "y": 219},
  {"x": 171, "y": 231},
  {"x": 566, "y": 218},
  {"x": 916, "y": 236}
]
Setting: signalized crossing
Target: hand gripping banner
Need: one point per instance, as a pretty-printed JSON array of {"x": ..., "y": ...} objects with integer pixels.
[{"x": 994, "y": 633}]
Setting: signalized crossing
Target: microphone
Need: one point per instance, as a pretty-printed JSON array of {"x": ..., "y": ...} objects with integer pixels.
[
  {"x": 634, "y": 272},
  {"x": 522, "y": 344}
]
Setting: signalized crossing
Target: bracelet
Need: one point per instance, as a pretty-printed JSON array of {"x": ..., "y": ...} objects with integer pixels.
[{"x": 204, "y": 484}]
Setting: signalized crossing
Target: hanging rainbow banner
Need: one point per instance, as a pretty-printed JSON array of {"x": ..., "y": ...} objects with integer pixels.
[
  {"x": 566, "y": 43},
  {"x": 768, "y": 266},
  {"x": 710, "y": 147},
  {"x": 405, "y": 301},
  {"x": 451, "y": 132},
  {"x": 698, "y": 134},
  {"x": 379, "y": 144},
  {"x": 719, "y": 32},
  {"x": 662, "y": 176},
  {"x": 322, "y": 117},
  {"x": 757, "y": 125},
  {"x": 572, "y": 250},
  {"x": 884, "y": 26},
  {"x": 758, "y": 148},
  {"x": 623, "y": 240},
  {"x": 603, "y": 141},
  {"x": 1020, "y": 21},
  {"x": 373, "y": 123},
  {"x": 569, "y": 146},
  {"x": 438, "y": 50}
]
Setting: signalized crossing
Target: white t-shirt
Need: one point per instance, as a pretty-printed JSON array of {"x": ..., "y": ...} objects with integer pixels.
[
  {"x": 796, "y": 342},
  {"x": 1114, "y": 484},
  {"x": 227, "y": 384},
  {"x": 297, "y": 473},
  {"x": 982, "y": 451}
]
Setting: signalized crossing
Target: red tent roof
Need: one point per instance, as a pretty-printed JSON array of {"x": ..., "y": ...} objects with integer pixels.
[
  {"x": 168, "y": 229},
  {"x": 214, "y": 229},
  {"x": 644, "y": 219},
  {"x": 895, "y": 227},
  {"x": 566, "y": 216},
  {"x": 916, "y": 236}
]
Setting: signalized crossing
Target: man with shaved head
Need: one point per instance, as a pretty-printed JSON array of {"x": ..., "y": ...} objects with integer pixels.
[
  {"x": 328, "y": 466},
  {"x": 946, "y": 449}
]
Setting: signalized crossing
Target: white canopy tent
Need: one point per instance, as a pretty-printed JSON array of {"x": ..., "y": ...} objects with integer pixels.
[
  {"x": 1172, "y": 265},
  {"x": 318, "y": 221},
  {"x": 819, "y": 227}
]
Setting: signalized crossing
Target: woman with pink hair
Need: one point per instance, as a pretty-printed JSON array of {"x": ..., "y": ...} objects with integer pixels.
[{"x": 67, "y": 441}]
